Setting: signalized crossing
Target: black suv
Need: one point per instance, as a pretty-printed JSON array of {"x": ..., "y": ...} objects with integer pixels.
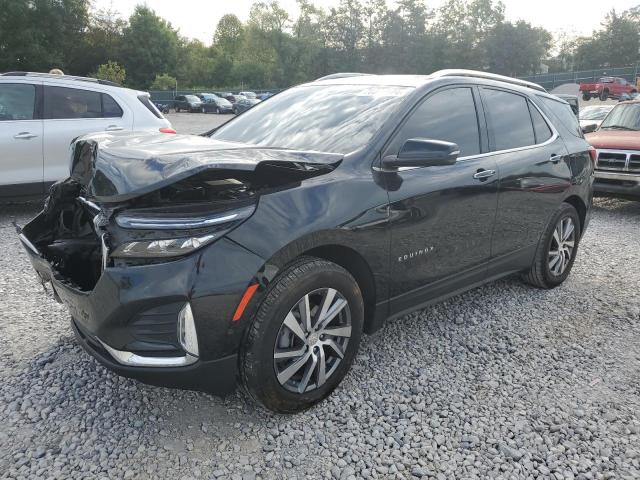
[
  {"x": 190, "y": 103},
  {"x": 261, "y": 251}
]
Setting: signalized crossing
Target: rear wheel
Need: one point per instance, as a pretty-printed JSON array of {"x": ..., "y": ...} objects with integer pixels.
[
  {"x": 586, "y": 97},
  {"x": 557, "y": 249},
  {"x": 304, "y": 336}
]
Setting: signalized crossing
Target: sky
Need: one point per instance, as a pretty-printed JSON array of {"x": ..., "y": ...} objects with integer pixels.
[{"x": 198, "y": 18}]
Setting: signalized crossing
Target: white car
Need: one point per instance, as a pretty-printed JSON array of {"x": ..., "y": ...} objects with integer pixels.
[
  {"x": 40, "y": 115},
  {"x": 594, "y": 115}
]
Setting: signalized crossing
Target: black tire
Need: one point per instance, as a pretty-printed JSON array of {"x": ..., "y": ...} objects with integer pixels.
[
  {"x": 256, "y": 362},
  {"x": 586, "y": 97},
  {"x": 604, "y": 95},
  {"x": 540, "y": 275}
]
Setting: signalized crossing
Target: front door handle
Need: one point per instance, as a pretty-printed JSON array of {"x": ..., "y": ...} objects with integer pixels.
[
  {"x": 114, "y": 128},
  {"x": 555, "y": 158},
  {"x": 25, "y": 136},
  {"x": 482, "y": 174}
]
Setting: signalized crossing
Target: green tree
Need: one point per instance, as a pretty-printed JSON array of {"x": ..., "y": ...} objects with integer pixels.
[
  {"x": 149, "y": 45},
  {"x": 228, "y": 35},
  {"x": 111, "y": 71},
  {"x": 517, "y": 49},
  {"x": 41, "y": 34},
  {"x": 164, "y": 82}
]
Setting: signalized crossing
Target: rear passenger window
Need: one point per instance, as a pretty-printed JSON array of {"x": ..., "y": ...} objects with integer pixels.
[
  {"x": 540, "y": 126},
  {"x": 510, "y": 120},
  {"x": 448, "y": 115},
  {"x": 17, "y": 101},
  {"x": 61, "y": 102},
  {"x": 110, "y": 108}
]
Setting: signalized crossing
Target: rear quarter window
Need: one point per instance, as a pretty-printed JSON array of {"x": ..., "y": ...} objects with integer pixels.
[
  {"x": 146, "y": 101},
  {"x": 560, "y": 112}
]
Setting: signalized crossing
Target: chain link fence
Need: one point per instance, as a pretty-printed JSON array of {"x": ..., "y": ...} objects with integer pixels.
[{"x": 552, "y": 80}]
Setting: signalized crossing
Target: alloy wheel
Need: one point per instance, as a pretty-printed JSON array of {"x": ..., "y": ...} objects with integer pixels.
[
  {"x": 562, "y": 246},
  {"x": 312, "y": 340}
]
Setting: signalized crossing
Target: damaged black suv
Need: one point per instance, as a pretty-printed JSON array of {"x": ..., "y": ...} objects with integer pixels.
[{"x": 261, "y": 251}]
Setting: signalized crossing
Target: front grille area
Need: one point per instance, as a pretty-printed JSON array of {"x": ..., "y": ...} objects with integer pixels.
[
  {"x": 610, "y": 160},
  {"x": 625, "y": 161}
]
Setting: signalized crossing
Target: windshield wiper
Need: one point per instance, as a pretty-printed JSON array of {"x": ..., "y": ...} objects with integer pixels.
[{"x": 620, "y": 127}]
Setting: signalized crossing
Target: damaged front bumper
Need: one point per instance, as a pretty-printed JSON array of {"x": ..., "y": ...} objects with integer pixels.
[{"x": 129, "y": 320}]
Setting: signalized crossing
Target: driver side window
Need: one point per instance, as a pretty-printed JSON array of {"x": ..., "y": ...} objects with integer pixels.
[{"x": 448, "y": 115}]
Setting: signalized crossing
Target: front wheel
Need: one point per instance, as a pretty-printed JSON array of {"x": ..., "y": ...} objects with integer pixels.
[
  {"x": 586, "y": 97},
  {"x": 556, "y": 250},
  {"x": 604, "y": 95},
  {"x": 304, "y": 336}
]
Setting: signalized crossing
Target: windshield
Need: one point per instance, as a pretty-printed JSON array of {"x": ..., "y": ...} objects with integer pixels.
[
  {"x": 191, "y": 98},
  {"x": 623, "y": 117},
  {"x": 594, "y": 113},
  {"x": 325, "y": 118},
  {"x": 209, "y": 96},
  {"x": 606, "y": 80}
]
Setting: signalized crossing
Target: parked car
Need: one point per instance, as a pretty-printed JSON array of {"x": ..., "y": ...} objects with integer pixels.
[
  {"x": 573, "y": 102},
  {"x": 190, "y": 103},
  {"x": 591, "y": 117},
  {"x": 617, "y": 144},
  {"x": 244, "y": 104},
  {"x": 40, "y": 115},
  {"x": 215, "y": 104},
  {"x": 606, "y": 87},
  {"x": 163, "y": 107},
  {"x": 227, "y": 96},
  {"x": 263, "y": 250},
  {"x": 250, "y": 95}
]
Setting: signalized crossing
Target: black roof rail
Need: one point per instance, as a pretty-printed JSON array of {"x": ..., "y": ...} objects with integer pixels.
[
  {"x": 66, "y": 77},
  {"x": 487, "y": 76}
]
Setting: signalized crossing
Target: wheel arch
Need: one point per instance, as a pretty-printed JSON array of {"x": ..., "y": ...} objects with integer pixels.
[
  {"x": 580, "y": 207},
  {"x": 352, "y": 261}
]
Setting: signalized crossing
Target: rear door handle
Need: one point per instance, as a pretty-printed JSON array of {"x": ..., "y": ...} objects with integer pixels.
[
  {"x": 25, "y": 136},
  {"x": 555, "y": 158},
  {"x": 114, "y": 128},
  {"x": 482, "y": 174}
]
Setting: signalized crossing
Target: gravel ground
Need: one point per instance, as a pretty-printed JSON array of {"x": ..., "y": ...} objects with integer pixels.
[{"x": 505, "y": 381}]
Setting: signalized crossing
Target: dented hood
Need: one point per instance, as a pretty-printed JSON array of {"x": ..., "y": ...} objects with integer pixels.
[{"x": 115, "y": 167}]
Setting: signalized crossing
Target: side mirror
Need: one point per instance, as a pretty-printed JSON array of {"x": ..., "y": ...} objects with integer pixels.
[
  {"x": 422, "y": 152},
  {"x": 589, "y": 128}
]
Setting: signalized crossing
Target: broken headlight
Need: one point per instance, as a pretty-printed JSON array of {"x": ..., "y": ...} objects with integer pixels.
[{"x": 209, "y": 228}]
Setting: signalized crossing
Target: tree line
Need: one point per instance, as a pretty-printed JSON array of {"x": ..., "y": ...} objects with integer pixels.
[{"x": 273, "y": 50}]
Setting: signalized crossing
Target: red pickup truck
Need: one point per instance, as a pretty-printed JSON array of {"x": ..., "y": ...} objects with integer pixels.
[
  {"x": 606, "y": 87},
  {"x": 617, "y": 144}
]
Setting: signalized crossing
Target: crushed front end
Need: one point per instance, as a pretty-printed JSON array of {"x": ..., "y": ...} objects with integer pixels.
[{"x": 150, "y": 280}]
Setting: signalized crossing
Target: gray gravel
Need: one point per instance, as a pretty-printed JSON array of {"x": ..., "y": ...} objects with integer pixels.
[{"x": 505, "y": 381}]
